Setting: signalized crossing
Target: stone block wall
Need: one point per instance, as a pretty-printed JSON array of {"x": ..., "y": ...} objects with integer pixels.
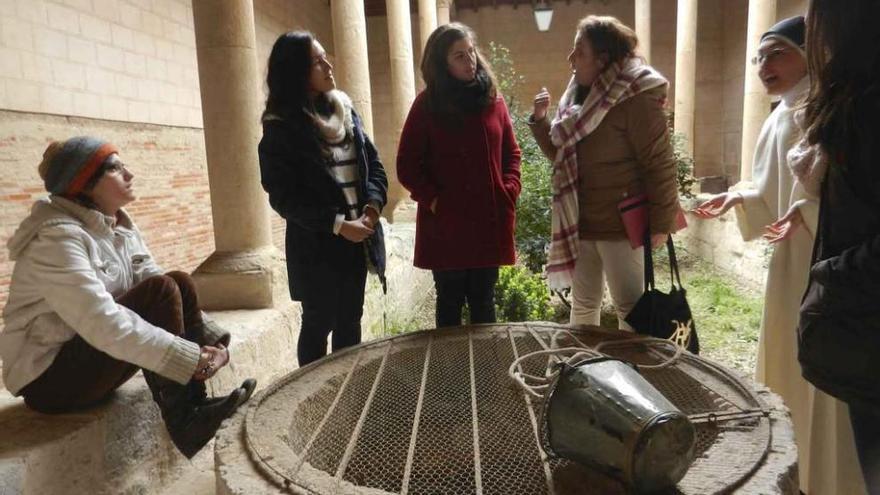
[
  {"x": 104, "y": 59},
  {"x": 720, "y": 243}
]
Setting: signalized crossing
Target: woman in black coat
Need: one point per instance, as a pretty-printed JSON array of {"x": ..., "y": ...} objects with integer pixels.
[
  {"x": 839, "y": 331},
  {"x": 323, "y": 175}
]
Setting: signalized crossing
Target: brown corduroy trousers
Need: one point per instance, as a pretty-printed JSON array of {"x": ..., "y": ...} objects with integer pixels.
[{"x": 82, "y": 376}]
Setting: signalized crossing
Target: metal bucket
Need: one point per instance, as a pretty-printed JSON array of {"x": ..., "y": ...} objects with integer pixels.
[{"x": 603, "y": 413}]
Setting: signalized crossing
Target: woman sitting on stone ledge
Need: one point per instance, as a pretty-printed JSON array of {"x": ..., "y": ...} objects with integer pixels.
[{"x": 88, "y": 306}]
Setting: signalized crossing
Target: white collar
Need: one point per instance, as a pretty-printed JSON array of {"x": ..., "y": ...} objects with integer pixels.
[{"x": 795, "y": 94}]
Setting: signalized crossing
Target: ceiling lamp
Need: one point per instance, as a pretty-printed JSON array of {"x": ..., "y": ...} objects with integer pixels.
[{"x": 543, "y": 15}]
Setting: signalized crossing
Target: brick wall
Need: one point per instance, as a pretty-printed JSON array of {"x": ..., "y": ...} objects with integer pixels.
[{"x": 170, "y": 181}]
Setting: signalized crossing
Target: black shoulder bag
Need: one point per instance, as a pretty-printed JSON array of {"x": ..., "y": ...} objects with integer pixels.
[{"x": 661, "y": 315}]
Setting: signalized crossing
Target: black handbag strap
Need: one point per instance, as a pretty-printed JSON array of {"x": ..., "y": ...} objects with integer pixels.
[
  {"x": 649, "y": 262},
  {"x": 674, "y": 274},
  {"x": 673, "y": 263}
]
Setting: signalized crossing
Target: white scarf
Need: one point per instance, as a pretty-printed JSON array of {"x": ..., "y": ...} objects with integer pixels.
[{"x": 335, "y": 127}]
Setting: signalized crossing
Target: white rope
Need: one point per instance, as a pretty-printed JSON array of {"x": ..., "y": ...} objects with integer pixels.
[
  {"x": 642, "y": 340},
  {"x": 537, "y": 386}
]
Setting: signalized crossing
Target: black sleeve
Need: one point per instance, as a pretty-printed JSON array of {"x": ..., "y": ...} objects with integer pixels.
[
  {"x": 858, "y": 266},
  {"x": 282, "y": 177},
  {"x": 377, "y": 185}
]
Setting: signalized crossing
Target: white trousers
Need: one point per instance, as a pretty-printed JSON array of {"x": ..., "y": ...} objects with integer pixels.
[{"x": 624, "y": 269}]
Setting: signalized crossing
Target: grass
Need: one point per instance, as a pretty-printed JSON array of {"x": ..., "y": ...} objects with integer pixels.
[{"x": 728, "y": 320}]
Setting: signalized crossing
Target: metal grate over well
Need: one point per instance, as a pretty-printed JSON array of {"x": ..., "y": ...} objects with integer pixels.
[{"x": 436, "y": 413}]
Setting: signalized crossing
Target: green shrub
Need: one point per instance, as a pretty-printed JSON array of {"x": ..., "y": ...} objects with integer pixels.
[
  {"x": 684, "y": 165},
  {"x": 521, "y": 295},
  {"x": 533, "y": 206}
]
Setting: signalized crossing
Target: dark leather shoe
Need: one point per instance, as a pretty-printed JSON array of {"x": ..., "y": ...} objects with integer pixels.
[
  {"x": 203, "y": 421},
  {"x": 207, "y": 417},
  {"x": 201, "y": 397}
]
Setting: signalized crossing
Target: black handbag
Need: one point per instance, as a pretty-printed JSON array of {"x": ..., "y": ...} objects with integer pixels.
[{"x": 661, "y": 315}]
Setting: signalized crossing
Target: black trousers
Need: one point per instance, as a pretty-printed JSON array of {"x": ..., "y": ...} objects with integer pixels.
[
  {"x": 334, "y": 304},
  {"x": 476, "y": 286},
  {"x": 866, "y": 430}
]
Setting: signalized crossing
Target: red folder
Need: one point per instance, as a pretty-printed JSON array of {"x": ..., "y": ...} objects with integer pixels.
[{"x": 634, "y": 214}]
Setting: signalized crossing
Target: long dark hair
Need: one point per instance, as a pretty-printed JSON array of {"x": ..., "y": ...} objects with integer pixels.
[
  {"x": 287, "y": 79},
  {"x": 441, "y": 88},
  {"x": 843, "y": 54}
]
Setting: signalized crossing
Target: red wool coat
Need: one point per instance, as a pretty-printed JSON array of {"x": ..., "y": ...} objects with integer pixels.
[{"x": 472, "y": 169}]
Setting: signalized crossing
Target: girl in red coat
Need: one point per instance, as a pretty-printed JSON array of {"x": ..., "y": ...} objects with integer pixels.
[{"x": 459, "y": 159}]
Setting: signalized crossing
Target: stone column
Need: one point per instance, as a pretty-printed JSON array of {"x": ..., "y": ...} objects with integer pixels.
[
  {"x": 643, "y": 27},
  {"x": 351, "y": 63},
  {"x": 443, "y": 8},
  {"x": 427, "y": 20},
  {"x": 402, "y": 86},
  {"x": 686, "y": 71},
  {"x": 756, "y": 102},
  {"x": 239, "y": 274}
]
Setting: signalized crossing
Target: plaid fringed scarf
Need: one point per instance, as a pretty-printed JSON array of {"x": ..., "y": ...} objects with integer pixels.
[{"x": 572, "y": 123}]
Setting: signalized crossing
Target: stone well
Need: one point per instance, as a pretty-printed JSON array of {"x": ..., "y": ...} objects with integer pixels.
[{"x": 435, "y": 412}]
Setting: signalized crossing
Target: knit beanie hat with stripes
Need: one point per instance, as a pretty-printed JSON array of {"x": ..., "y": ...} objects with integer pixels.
[{"x": 68, "y": 165}]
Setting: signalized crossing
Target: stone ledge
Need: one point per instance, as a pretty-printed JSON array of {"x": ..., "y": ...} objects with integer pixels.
[
  {"x": 122, "y": 446},
  {"x": 263, "y": 345},
  {"x": 718, "y": 241},
  {"x": 119, "y": 447}
]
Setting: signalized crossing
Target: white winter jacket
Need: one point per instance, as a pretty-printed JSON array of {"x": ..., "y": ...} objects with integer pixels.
[{"x": 71, "y": 262}]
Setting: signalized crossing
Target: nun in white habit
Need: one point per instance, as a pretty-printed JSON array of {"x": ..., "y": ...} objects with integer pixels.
[{"x": 774, "y": 206}]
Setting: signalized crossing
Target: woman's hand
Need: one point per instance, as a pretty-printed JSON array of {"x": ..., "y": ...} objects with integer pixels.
[
  {"x": 211, "y": 360},
  {"x": 718, "y": 205},
  {"x": 541, "y": 105},
  {"x": 783, "y": 228},
  {"x": 434, "y": 206},
  {"x": 370, "y": 217},
  {"x": 355, "y": 230}
]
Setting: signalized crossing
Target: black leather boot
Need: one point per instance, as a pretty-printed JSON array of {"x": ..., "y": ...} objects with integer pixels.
[
  {"x": 198, "y": 392},
  {"x": 192, "y": 425}
]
